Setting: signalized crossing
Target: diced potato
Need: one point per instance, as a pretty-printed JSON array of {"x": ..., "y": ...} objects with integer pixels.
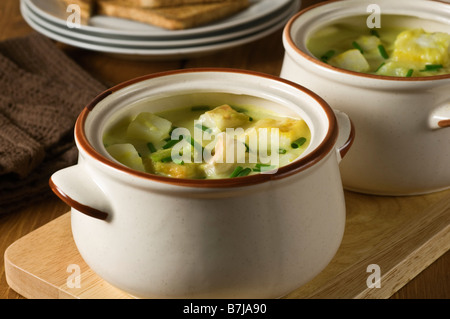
[
  {"x": 223, "y": 117},
  {"x": 185, "y": 170},
  {"x": 419, "y": 46},
  {"x": 351, "y": 60},
  {"x": 394, "y": 69},
  {"x": 149, "y": 127},
  {"x": 127, "y": 155},
  {"x": 368, "y": 42}
]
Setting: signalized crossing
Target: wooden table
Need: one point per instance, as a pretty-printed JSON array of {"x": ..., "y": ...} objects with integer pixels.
[{"x": 264, "y": 55}]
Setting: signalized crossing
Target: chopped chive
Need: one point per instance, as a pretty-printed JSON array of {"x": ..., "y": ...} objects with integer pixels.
[
  {"x": 151, "y": 147},
  {"x": 357, "y": 46},
  {"x": 247, "y": 149},
  {"x": 298, "y": 143},
  {"x": 410, "y": 73},
  {"x": 242, "y": 110},
  {"x": 282, "y": 151},
  {"x": 382, "y": 51},
  {"x": 172, "y": 129},
  {"x": 374, "y": 32},
  {"x": 203, "y": 128},
  {"x": 166, "y": 159},
  {"x": 432, "y": 67},
  {"x": 236, "y": 171},
  {"x": 259, "y": 165},
  {"x": 200, "y": 108},
  {"x": 383, "y": 63},
  {"x": 244, "y": 172},
  {"x": 239, "y": 109},
  {"x": 161, "y": 155},
  {"x": 196, "y": 145},
  {"x": 170, "y": 144},
  {"x": 327, "y": 55},
  {"x": 266, "y": 167}
]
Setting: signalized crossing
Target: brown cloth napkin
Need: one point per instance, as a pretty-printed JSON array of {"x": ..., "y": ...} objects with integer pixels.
[{"x": 42, "y": 92}]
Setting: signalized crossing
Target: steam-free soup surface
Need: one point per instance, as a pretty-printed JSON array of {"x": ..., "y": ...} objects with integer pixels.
[
  {"x": 207, "y": 142},
  {"x": 391, "y": 50}
]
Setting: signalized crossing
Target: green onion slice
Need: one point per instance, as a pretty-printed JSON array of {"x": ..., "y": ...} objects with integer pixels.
[
  {"x": 244, "y": 172},
  {"x": 383, "y": 63},
  {"x": 327, "y": 55},
  {"x": 238, "y": 109},
  {"x": 196, "y": 145},
  {"x": 236, "y": 171},
  {"x": 282, "y": 151},
  {"x": 266, "y": 167},
  {"x": 298, "y": 143},
  {"x": 357, "y": 46},
  {"x": 383, "y": 52},
  {"x": 161, "y": 155},
  {"x": 432, "y": 67},
  {"x": 167, "y": 159},
  {"x": 172, "y": 129},
  {"x": 203, "y": 128},
  {"x": 410, "y": 73},
  {"x": 151, "y": 147},
  {"x": 374, "y": 32},
  {"x": 171, "y": 143}
]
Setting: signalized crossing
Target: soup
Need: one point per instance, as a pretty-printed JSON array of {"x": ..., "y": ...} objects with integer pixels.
[
  {"x": 391, "y": 50},
  {"x": 207, "y": 142}
]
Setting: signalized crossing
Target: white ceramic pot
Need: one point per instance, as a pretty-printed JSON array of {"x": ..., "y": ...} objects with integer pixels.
[
  {"x": 259, "y": 236},
  {"x": 403, "y": 124}
]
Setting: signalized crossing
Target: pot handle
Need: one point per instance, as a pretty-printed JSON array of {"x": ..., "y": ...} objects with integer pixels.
[
  {"x": 440, "y": 117},
  {"x": 74, "y": 186},
  {"x": 346, "y": 133}
]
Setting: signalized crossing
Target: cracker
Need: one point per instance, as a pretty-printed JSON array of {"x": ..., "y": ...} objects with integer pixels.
[{"x": 173, "y": 18}]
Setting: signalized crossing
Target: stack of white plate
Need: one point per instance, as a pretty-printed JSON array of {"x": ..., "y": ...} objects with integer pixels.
[{"x": 121, "y": 36}]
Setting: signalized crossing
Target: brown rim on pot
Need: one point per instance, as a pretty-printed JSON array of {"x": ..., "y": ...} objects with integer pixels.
[
  {"x": 288, "y": 37},
  {"x": 310, "y": 159}
]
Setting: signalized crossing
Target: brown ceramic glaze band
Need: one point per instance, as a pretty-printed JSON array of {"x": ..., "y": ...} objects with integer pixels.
[
  {"x": 444, "y": 123},
  {"x": 87, "y": 210},
  {"x": 351, "y": 138}
]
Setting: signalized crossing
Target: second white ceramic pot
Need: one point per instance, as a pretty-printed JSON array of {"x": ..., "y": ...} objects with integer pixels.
[
  {"x": 259, "y": 236},
  {"x": 403, "y": 124}
]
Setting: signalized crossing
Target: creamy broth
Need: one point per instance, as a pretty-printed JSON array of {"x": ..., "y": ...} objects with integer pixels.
[
  {"x": 207, "y": 142},
  {"x": 398, "y": 48}
]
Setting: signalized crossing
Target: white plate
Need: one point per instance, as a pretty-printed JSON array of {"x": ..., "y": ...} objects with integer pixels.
[
  {"x": 213, "y": 38},
  {"x": 162, "y": 53},
  {"x": 54, "y": 11}
]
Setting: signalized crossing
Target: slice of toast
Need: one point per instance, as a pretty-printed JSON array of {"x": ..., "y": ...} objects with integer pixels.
[
  {"x": 86, "y": 7},
  {"x": 173, "y": 18},
  {"x": 165, "y": 3}
]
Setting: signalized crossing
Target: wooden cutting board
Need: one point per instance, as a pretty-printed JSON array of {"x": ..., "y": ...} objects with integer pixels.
[{"x": 400, "y": 235}]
